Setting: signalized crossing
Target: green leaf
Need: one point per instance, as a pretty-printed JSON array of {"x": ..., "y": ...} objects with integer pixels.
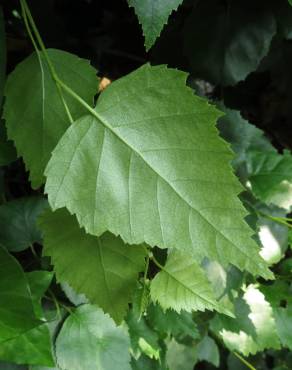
[
  {"x": 253, "y": 329},
  {"x": 38, "y": 116},
  {"x": 207, "y": 350},
  {"x": 33, "y": 347},
  {"x": 283, "y": 318},
  {"x": 243, "y": 137},
  {"x": 104, "y": 269},
  {"x": 17, "y": 313},
  {"x": 2, "y": 55},
  {"x": 153, "y": 15},
  {"x": 182, "y": 285},
  {"x": 290, "y": 2},
  {"x": 89, "y": 339},
  {"x": 225, "y": 41},
  {"x": 270, "y": 177},
  {"x": 39, "y": 282},
  {"x": 140, "y": 332},
  {"x": 18, "y": 222},
  {"x": 152, "y": 169},
  {"x": 35, "y": 344},
  {"x": 172, "y": 323}
]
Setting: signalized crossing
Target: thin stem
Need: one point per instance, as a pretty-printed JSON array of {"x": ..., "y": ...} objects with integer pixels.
[
  {"x": 279, "y": 220},
  {"x": 29, "y": 19},
  {"x": 144, "y": 286},
  {"x": 244, "y": 361},
  {"x": 28, "y": 28},
  {"x": 54, "y": 299}
]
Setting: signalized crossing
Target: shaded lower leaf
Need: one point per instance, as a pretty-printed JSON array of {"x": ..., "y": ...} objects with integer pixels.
[
  {"x": 33, "y": 347},
  {"x": 17, "y": 312},
  {"x": 89, "y": 339},
  {"x": 170, "y": 322},
  {"x": 207, "y": 350},
  {"x": 18, "y": 222},
  {"x": 180, "y": 356},
  {"x": 104, "y": 269}
]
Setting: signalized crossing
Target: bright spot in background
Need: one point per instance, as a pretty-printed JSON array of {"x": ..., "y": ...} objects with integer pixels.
[{"x": 271, "y": 251}]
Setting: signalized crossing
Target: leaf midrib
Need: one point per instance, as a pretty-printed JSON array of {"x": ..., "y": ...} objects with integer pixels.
[{"x": 102, "y": 120}]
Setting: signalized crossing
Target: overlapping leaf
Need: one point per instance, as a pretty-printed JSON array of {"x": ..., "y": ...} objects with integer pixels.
[
  {"x": 182, "y": 285},
  {"x": 34, "y": 346},
  {"x": 39, "y": 116},
  {"x": 17, "y": 312},
  {"x": 104, "y": 268},
  {"x": 153, "y": 15},
  {"x": 89, "y": 339},
  {"x": 270, "y": 176},
  {"x": 151, "y": 167}
]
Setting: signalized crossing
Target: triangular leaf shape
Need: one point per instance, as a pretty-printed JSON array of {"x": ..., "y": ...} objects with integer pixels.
[
  {"x": 153, "y": 15},
  {"x": 39, "y": 116},
  {"x": 150, "y": 166},
  {"x": 89, "y": 339},
  {"x": 104, "y": 269},
  {"x": 182, "y": 285}
]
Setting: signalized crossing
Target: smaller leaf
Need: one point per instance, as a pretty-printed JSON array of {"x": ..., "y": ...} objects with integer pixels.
[
  {"x": 17, "y": 313},
  {"x": 35, "y": 344},
  {"x": 39, "y": 116},
  {"x": 182, "y": 285},
  {"x": 104, "y": 269},
  {"x": 170, "y": 322},
  {"x": 153, "y": 15},
  {"x": 18, "y": 228},
  {"x": 138, "y": 330},
  {"x": 270, "y": 177},
  {"x": 89, "y": 339}
]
